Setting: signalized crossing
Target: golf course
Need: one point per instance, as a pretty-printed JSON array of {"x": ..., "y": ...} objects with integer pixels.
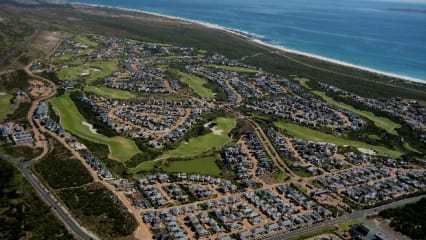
[
  {"x": 233, "y": 68},
  {"x": 306, "y": 133},
  {"x": 121, "y": 148},
  {"x": 109, "y": 92},
  {"x": 194, "y": 147},
  {"x": 197, "y": 84}
]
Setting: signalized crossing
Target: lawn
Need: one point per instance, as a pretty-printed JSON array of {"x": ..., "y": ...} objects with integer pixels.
[
  {"x": 203, "y": 165},
  {"x": 73, "y": 72},
  {"x": 6, "y": 107},
  {"x": 109, "y": 92},
  {"x": 143, "y": 167},
  {"x": 204, "y": 143},
  {"x": 306, "y": 133},
  {"x": 380, "y": 122},
  {"x": 197, "y": 84},
  {"x": 233, "y": 68},
  {"x": 120, "y": 148}
]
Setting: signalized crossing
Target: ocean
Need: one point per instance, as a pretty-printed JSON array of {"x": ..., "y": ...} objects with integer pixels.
[{"x": 385, "y": 35}]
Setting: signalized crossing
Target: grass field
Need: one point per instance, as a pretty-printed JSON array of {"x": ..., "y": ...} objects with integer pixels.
[
  {"x": 6, "y": 107},
  {"x": 203, "y": 165},
  {"x": 305, "y": 133},
  {"x": 197, "y": 84},
  {"x": 120, "y": 148},
  {"x": 204, "y": 143},
  {"x": 380, "y": 122},
  {"x": 86, "y": 41},
  {"x": 109, "y": 92},
  {"x": 143, "y": 167},
  {"x": 232, "y": 68},
  {"x": 73, "y": 72}
]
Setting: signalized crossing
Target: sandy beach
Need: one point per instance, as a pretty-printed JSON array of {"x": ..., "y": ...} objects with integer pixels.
[{"x": 250, "y": 37}]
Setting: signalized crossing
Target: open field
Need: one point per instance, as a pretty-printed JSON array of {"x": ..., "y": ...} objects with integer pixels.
[
  {"x": 109, "y": 92},
  {"x": 95, "y": 70},
  {"x": 380, "y": 122},
  {"x": 232, "y": 68},
  {"x": 197, "y": 84},
  {"x": 6, "y": 107},
  {"x": 120, "y": 148},
  {"x": 306, "y": 133},
  {"x": 204, "y": 143},
  {"x": 203, "y": 165}
]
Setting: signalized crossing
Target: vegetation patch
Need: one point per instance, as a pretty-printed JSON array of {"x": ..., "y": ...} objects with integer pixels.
[
  {"x": 306, "y": 133},
  {"x": 120, "y": 148},
  {"x": 6, "y": 106},
  {"x": 100, "y": 210},
  {"x": 109, "y": 92},
  {"x": 88, "y": 71},
  {"x": 197, "y": 84},
  {"x": 60, "y": 170},
  {"x": 23, "y": 214},
  {"x": 233, "y": 68},
  {"x": 202, "y": 165},
  {"x": 408, "y": 219}
]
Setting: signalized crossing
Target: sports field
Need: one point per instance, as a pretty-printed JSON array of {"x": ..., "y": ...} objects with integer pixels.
[
  {"x": 109, "y": 92},
  {"x": 203, "y": 165},
  {"x": 5, "y": 106},
  {"x": 120, "y": 148},
  {"x": 86, "y": 41},
  {"x": 233, "y": 68},
  {"x": 197, "y": 84},
  {"x": 89, "y": 71},
  {"x": 306, "y": 133},
  {"x": 204, "y": 143}
]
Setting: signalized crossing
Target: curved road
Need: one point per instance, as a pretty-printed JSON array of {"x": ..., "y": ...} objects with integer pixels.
[{"x": 60, "y": 212}]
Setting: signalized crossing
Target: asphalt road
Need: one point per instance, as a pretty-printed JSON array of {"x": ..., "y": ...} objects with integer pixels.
[
  {"x": 60, "y": 212},
  {"x": 347, "y": 217}
]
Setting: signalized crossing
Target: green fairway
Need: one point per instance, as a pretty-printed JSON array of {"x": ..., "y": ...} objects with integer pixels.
[
  {"x": 233, "y": 68},
  {"x": 143, "y": 167},
  {"x": 380, "y": 122},
  {"x": 204, "y": 143},
  {"x": 120, "y": 148},
  {"x": 109, "y": 92},
  {"x": 197, "y": 84},
  {"x": 6, "y": 107},
  {"x": 306, "y": 133},
  {"x": 86, "y": 41},
  {"x": 95, "y": 70},
  {"x": 203, "y": 165}
]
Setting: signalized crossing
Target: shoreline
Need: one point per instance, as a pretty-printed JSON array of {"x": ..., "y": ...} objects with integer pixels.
[{"x": 256, "y": 39}]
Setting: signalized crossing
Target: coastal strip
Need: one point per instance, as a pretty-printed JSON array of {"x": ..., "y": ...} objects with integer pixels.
[{"x": 256, "y": 39}]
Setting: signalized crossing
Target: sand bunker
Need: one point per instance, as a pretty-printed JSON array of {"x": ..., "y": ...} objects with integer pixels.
[{"x": 90, "y": 126}]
